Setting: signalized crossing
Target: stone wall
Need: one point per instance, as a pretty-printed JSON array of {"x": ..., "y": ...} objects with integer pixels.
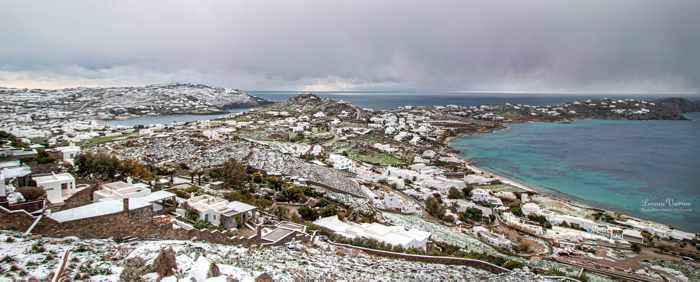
[
  {"x": 15, "y": 221},
  {"x": 137, "y": 224},
  {"x": 431, "y": 259},
  {"x": 30, "y": 206},
  {"x": 117, "y": 225},
  {"x": 80, "y": 198}
]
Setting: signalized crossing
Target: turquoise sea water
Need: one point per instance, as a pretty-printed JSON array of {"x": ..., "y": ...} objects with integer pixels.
[{"x": 648, "y": 169}]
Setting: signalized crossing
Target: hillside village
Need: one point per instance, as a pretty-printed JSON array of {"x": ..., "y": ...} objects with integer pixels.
[{"x": 328, "y": 185}]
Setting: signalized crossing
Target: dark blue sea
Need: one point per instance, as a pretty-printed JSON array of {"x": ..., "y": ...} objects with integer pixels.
[{"x": 381, "y": 100}]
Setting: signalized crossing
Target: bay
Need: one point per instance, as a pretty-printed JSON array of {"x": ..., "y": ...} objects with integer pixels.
[{"x": 627, "y": 166}]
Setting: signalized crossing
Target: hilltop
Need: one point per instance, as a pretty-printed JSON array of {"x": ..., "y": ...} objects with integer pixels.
[{"x": 113, "y": 102}]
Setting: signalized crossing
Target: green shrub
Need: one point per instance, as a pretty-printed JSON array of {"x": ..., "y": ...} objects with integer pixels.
[
  {"x": 454, "y": 193},
  {"x": 511, "y": 264},
  {"x": 308, "y": 213},
  {"x": 38, "y": 248},
  {"x": 7, "y": 259}
]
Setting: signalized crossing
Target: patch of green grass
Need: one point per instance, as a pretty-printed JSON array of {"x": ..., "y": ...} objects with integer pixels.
[{"x": 101, "y": 140}]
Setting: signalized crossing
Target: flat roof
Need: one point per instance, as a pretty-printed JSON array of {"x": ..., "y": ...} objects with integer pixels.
[
  {"x": 240, "y": 207},
  {"x": 10, "y": 164},
  {"x": 277, "y": 234},
  {"x": 53, "y": 177},
  {"x": 108, "y": 207}
]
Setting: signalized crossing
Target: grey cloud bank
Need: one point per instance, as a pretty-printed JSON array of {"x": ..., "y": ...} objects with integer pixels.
[{"x": 552, "y": 46}]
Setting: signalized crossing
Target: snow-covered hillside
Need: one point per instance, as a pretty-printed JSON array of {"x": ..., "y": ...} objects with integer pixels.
[
  {"x": 105, "y": 260},
  {"x": 113, "y": 101}
]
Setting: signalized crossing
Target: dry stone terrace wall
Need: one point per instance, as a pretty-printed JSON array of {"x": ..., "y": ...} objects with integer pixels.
[
  {"x": 78, "y": 199},
  {"x": 277, "y": 162},
  {"x": 138, "y": 223},
  {"x": 431, "y": 259},
  {"x": 200, "y": 155}
]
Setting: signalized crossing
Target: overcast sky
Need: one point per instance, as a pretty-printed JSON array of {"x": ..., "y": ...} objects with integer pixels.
[{"x": 634, "y": 46}]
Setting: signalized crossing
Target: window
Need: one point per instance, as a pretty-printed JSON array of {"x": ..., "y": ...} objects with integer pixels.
[{"x": 64, "y": 186}]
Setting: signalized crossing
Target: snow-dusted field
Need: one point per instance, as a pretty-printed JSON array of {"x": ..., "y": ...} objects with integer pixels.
[{"x": 103, "y": 260}]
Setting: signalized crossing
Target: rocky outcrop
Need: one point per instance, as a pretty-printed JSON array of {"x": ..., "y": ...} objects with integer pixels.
[
  {"x": 673, "y": 108},
  {"x": 165, "y": 264},
  {"x": 279, "y": 163},
  {"x": 680, "y": 104},
  {"x": 310, "y": 104}
]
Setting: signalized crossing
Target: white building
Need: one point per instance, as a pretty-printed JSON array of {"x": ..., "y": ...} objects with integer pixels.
[
  {"x": 394, "y": 235},
  {"x": 429, "y": 154},
  {"x": 463, "y": 205},
  {"x": 340, "y": 162},
  {"x": 632, "y": 235},
  {"x": 220, "y": 212},
  {"x": 393, "y": 202},
  {"x": 156, "y": 201},
  {"x": 69, "y": 153},
  {"x": 58, "y": 187},
  {"x": 484, "y": 196},
  {"x": 660, "y": 230},
  {"x": 530, "y": 208},
  {"x": 14, "y": 169},
  {"x": 385, "y": 147},
  {"x": 497, "y": 240},
  {"x": 517, "y": 223},
  {"x": 121, "y": 190},
  {"x": 3, "y": 188}
]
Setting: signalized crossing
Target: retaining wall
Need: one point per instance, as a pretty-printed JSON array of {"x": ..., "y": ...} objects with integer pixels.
[{"x": 431, "y": 259}]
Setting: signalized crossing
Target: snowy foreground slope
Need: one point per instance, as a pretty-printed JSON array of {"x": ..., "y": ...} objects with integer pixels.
[{"x": 104, "y": 260}]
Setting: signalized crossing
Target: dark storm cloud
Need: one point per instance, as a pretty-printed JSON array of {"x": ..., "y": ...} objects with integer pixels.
[{"x": 621, "y": 45}]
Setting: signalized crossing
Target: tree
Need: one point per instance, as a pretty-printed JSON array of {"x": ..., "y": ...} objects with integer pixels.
[
  {"x": 281, "y": 212},
  {"x": 541, "y": 220},
  {"x": 466, "y": 191},
  {"x": 511, "y": 264},
  {"x": 515, "y": 208},
  {"x": 329, "y": 210},
  {"x": 636, "y": 248},
  {"x": 308, "y": 213},
  {"x": 290, "y": 195},
  {"x": 97, "y": 164},
  {"x": 454, "y": 193},
  {"x": 234, "y": 173},
  {"x": 473, "y": 214},
  {"x": 434, "y": 208},
  {"x": 44, "y": 157},
  {"x": 135, "y": 169}
]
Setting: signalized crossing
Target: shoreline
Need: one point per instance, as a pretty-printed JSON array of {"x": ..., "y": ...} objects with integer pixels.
[{"x": 556, "y": 196}]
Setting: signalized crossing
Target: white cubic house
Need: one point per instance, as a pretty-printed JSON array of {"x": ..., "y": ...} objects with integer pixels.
[
  {"x": 69, "y": 153},
  {"x": 219, "y": 212},
  {"x": 58, "y": 187},
  {"x": 121, "y": 190}
]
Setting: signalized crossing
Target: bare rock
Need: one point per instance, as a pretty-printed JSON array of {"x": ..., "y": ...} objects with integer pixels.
[{"x": 165, "y": 263}]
